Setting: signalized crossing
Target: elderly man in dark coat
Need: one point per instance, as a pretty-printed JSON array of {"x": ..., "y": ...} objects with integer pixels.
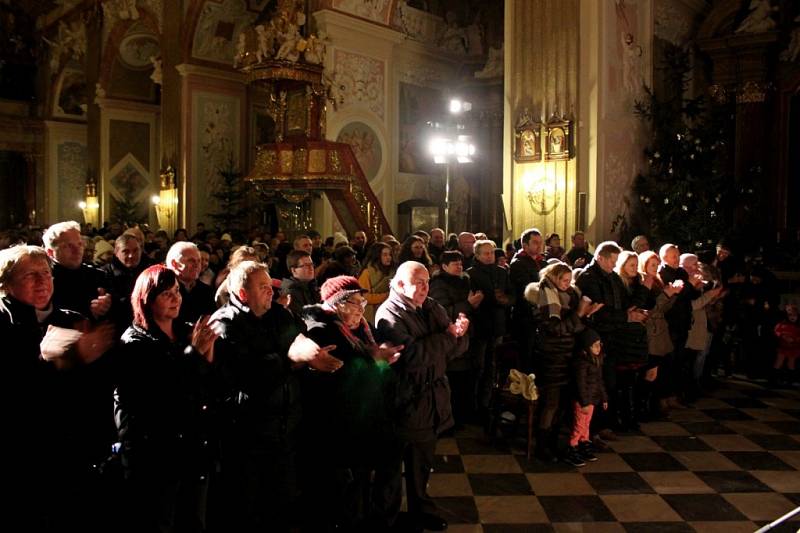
[{"x": 422, "y": 403}]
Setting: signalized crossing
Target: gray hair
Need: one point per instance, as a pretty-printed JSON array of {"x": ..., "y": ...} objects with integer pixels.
[
  {"x": 176, "y": 251},
  {"x": 11, "y": 257},
  {"x": 240, "y": 274},
  {"x": 55, "y": 232},
  {"x": 482, "y": 242}
]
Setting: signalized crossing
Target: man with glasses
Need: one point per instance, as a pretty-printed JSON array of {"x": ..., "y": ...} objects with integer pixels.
[{"x": 300, "y": 285}]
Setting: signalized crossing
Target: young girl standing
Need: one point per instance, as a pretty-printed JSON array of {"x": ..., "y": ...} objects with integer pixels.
[{"x": 590, "y": 391}]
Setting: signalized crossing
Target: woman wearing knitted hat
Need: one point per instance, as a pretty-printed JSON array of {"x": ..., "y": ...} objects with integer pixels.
[{"x": 346, "y": 409}]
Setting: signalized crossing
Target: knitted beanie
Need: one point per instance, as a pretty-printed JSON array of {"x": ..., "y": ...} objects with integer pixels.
[{"x": 340, "y": 288}]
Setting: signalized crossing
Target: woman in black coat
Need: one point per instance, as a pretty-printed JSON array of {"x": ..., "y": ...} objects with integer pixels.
[
  {"x": 558, "y": 311},
  {"x": 347, "y": 409},
  {"x": 162, "y": 404}
]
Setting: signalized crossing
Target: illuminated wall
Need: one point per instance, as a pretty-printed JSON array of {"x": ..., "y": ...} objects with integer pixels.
[{"x": 541, "y": 76}]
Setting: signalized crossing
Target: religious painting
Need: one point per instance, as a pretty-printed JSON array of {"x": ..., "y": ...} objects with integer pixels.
[
  {"x": 366, "y": 147},
  {"x": 418, "y": 106},
  {"x": 558, "y": 140},
  {"x": 528, "y": 143},
  {"x": 296, "y": 112}
]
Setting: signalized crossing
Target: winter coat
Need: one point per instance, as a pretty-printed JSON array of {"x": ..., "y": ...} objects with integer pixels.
[
  {"x": 577, "y": 253},
  {"x": 625, "y": 343},
  {"x": 303, "y": 293},
  {"x": 74, "y": 289},
  {"x": 163, "y": 404},
  {"x": 260, "y": 394},
  {"x": 632, "y": 336},
  {"x": 57, "y": 423},
  {"x": 421, "y": 407},
  {"x": 588, "y": 376},
  {"x": 377, "y": 283},
  {"x": 122, "y": 279},
  {"x": 555, "y": 344},
  {"x": 523, "y": 271},
  {"x": 698, "y": 334},
  {"x": 659, "y": 342},
  {"x": 451, "y": 292},
  {"x": 490, "y": 316},
  {"x": 679, "y": 317},
  {"x": 348, "y": 409},
  {"x": 196, "y": 303}
]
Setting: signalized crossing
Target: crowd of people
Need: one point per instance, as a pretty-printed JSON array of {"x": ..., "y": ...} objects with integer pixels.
[{"x": 231, "y": 382}]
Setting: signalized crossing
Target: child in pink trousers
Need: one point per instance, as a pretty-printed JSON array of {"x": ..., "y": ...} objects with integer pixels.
[{"x": 590, "y": 392}]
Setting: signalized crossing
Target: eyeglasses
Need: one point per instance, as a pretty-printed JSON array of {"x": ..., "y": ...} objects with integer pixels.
[
  {"x": 304, "y": 265},
  {"x": 362, "y": 303}
]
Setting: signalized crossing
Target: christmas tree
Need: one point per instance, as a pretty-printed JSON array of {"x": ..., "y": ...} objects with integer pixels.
[
  {"x": 231, "y": 198},
  {"x": 686, "y": 193}
]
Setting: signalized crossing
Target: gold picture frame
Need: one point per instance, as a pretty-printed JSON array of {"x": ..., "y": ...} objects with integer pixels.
[
  {"x": 528, "y": 143},
  {"x": 558, "y": 140}
]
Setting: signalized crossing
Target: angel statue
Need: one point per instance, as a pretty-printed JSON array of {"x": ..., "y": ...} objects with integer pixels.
[{"x": 759, "y": 19}]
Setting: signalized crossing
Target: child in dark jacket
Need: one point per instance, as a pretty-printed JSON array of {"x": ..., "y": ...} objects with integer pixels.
[{"x": 589, "y": 391}]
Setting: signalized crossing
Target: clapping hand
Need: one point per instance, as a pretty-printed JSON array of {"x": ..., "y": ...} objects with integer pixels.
[
  {"x": 203, "y": 337},
  {"x": 460, "y": 326},
  {"x": 387, "y": 352},
  {"x": 636, "y": 315},
  {"x": 100, "y": 305},
  {"x": 674, "y": 288},
  {"x": 475, "y": 298}
]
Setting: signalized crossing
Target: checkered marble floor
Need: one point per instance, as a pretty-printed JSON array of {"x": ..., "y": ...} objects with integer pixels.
[{"x": 728, "y": 464}]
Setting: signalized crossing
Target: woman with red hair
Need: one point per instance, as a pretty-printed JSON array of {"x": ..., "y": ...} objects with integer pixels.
[{"x": 161, "y": 408}]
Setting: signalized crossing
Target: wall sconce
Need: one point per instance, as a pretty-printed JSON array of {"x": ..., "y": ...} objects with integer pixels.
[
  {"x": 166, "y": 202},
  {"x": 91, "y": 206},
  {"x": 528, "y": 139}
]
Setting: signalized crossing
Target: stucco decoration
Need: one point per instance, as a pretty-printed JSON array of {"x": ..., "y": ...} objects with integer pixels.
[
  {"x": 374, "y": 10},
  {"x": 69, "y": 44},
  {"x": 494, "y": 64},
  {"x": 71, "y": 94},
  {"x": 366, "y": 147},
  {"x": 120, "y": 10},
  {"x": 759, "y": 19},
  {"x": 215, "y": 138},
  {"x": 72, "y": 163},
  {"x": 418, "y": 24},
  {"x": 218, "y": 27},
  {"x": 136, "y": 49},
  {"x": 792, "y": 51},
  {"x": 359, "y": 80},
  {"x": 671, "y": 22},
  {"x": 421, "y": 74}
]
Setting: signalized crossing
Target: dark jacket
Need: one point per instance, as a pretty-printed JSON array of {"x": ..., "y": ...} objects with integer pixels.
[
  {"x": 524, "y": 270},
  {"x": 163, "y": 403},
  {"x": 451, "y": 293},
  {"x": 490, "y": 316},
  {"x": 75, "y": 289},
  {"x": 422, "y": 393},
  {"x": 57, "y": 423},
  {"x": 679, "y": 317},
  {"x": 577, "y": 253},
  {"x": 197, "y": 302},
  {"x": 556, "y": 341},
  {"x": 122, "y": 279},
  {"x": 347, "y": 409},
  {"x": 303, "y": 293},
  {"x": 588, "y": 373},
  {"x": 606, "y": 287},
  {"x": 260, "y": 392}
]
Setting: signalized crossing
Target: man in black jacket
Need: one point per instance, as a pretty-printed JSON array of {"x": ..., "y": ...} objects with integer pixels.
[
  {"x": 183, "y": 258},
  {"x": 125, "y": 267},
  {"x": 524, "y": 270},
  {"x": 256, "y": 354},
  {"x": 301, "y": 286},
  {"x": 79, "y": 287},
  {"x": 600, "y": 284},
  {"x": 422, "y": 404}
]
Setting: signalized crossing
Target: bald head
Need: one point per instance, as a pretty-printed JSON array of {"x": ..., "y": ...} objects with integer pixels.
[{"x": 411, "y": 280}]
